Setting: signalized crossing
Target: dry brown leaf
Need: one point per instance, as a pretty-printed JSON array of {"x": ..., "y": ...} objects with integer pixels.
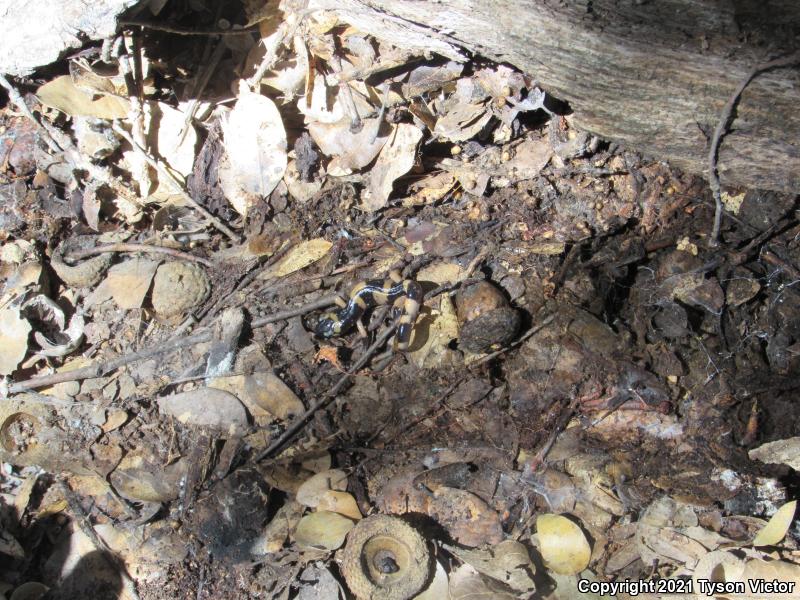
[
  {"x": 209, "y": 408},
  {"x": 129, "y": 281},
  {"x": 426, "y": 78},
  {"x": 467, "y": 584},
  {"x": 264, "y": 394},
  {"x": 62, "y": 94},
  {"x": 438, "y": 329},
  {"x": 14, "y": 332},
  {"x": 349, "y": 150},
  {"x": 563, "y": 544},
  {"x": 314, "y": 488},
  {"x": 299, "y": 257},
  {"x": 462, "y": 122},
  {"x": 141, "y": 477},
  {"x": 430, "y": 188},
  {"x": 277, "y": 530},
  {"x": 668, "y": 545},
  {"x": 396, "y": 159},
  {"x": 777, "y": 527},
  {"x": 322, "y": 530},
  {"x": 255, "y": 150},
  {"x": 530, "y": 157},
  {"x": 508, "y": 562}
]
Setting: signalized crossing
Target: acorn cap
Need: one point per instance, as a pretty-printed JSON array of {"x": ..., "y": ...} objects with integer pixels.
[{"x": 385, "y": 559}]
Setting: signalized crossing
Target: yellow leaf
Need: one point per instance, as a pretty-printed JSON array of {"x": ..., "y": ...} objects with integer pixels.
[
  {"x": 778, "y": 525},
  {"x": 564, "y": 546},
  {"x": 300, "y": 257},
  {"x": 322, "y": 530}
]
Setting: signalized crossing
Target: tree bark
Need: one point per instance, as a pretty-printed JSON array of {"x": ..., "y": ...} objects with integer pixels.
[{"x": 653, "y": 75}]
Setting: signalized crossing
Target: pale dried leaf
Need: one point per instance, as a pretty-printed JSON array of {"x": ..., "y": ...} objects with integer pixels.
[
  {"x": 440, "y": 273},
  {"x": 668, "y": 545},
  {"x": 14, "y": 332},
  {"x": 255, "y": 147},
  {"x": 172, "y": 144},
  {"x": 299, "y": 257},
  {"x": 317, "y": 583},
  {"x": 437, "y": 589},
  {"x": 129, "y": 281},
  {"x": 322, "y": 531},
  {"x": 264, "y": 394},
  {"x": 782, "y": 451},
  {"x": 440, "y": 327},
  {"x": 563, "y": 544},
  {"x": 62, "y": 94},
  {"x": 350, "y": 150},
  {"x": 777, "y": 527},
  {"x": 430, "y": 188},
  {"x": 91, "y": 207},
  {"x": 72, "y": 336},
  {"x": 324, "y": 106},
  {"x": 530, "y": 157},
  {"x": 289, "y": 75},
  {"x": 209, "y": 408},
  {"x": 426, "y": 78},
  {"x": 567, "y": 587},
  {"x": 463, "y": 122},
  {"x": 396, "y": 159},
  {"x": 507, "y": 562},
  {"x": 277, "y": 530},
  {"x": 314, "y": 488},
  {"x": 467, "y": 584}
]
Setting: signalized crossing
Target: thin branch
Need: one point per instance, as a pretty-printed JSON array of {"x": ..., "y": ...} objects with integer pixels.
[
  {"x": 76, "y": 256},
  {"x": 722, "y": 128},
  {"x": 100, "y": 369},
  {"x": 299, "y": 422},
  {"x": 183, "y": 30}
]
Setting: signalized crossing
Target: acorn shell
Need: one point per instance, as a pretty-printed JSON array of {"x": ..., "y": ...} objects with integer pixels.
[
  {"x": 179, "y": 287},
  {"x": 385, "y": 559}
]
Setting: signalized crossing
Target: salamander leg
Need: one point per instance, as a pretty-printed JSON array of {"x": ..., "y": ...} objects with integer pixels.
[
  {"x": 340, "y": 302},
  {"x": 362, "y": 331}
]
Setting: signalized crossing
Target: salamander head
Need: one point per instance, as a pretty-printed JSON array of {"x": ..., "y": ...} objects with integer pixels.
[{"x": 328, "y": 326}]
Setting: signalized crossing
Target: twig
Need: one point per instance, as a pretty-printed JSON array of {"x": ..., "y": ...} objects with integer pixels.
[
  {"x": 18, "y": 101},
  {"x": 296, "y": 425},
  {"x": 75, "y": 256},
  {"x": 184, "y": 30},
  {"x": 722, "y": 128},
  {"x": 285, "y": 31},
  {"x": 101, "y": 369},
  {"x": 169, "y": 179}
]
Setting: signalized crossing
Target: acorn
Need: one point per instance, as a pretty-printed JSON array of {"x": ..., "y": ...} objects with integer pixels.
[
  {"x": 385, "y": 559},
  {"x": 486, "y": 318}
]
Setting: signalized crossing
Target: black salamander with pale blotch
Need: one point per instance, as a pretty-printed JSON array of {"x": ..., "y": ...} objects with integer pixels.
[{"x": 404, "y": 295}]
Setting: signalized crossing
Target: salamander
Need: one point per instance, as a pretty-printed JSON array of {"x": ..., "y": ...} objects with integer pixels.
[{"x": 404, "y": 295}]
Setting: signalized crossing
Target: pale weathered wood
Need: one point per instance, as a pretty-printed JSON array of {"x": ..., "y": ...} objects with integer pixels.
[
  {"x": 34, "y": 34},
  {"x": 653, "y": 75}
]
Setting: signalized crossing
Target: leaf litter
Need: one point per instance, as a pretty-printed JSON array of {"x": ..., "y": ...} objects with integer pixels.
[{"x": 605, "y": 438}]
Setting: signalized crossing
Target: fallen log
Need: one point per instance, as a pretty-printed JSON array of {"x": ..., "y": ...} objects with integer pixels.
[{"x": 654, "y": 76}]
